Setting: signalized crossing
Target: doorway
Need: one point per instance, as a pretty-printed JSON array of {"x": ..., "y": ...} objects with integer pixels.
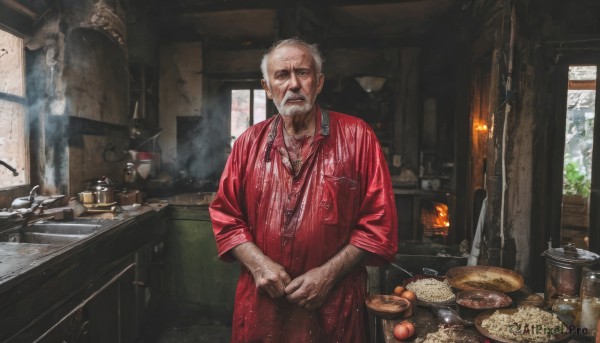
[{"x": 578, "y": 155}]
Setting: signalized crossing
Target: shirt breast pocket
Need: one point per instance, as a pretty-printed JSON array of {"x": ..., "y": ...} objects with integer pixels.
[{"x": 338, "y": 198}]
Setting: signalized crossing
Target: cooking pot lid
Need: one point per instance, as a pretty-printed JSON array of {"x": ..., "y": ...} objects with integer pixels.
[
  {"x": 570, "y": 254},
  {"x": 104, "y": 181}
]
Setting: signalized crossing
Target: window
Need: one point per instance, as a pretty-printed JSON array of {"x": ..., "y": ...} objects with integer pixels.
[
  {"x": 248, "y": 107},
  {"x": 14, "y": 147},
  {"x": 577, "y": 165}
]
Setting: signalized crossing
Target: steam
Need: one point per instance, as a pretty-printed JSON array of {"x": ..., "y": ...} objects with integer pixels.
[{"x": 205, "y": 152}]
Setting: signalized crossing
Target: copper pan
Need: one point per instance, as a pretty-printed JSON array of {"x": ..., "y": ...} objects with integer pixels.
[{"x": 489, "y": 278}]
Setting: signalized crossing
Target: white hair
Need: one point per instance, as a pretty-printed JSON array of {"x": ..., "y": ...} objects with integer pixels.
[{"x": 316, "y": 54}]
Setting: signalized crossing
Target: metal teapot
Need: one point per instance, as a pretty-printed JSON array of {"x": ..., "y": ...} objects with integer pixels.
[
  {"x": 105, "y": 191},
  {"x": 25, "y": 202}
]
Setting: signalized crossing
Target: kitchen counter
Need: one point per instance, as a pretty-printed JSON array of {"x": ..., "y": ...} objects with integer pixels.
[
  {"x": 418, "y": 191},
  {"x": 19, "y": 259},
  {"x": 42, "y": 284}
]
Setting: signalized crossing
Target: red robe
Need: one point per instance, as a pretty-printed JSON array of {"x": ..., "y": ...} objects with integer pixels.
[{"x": 342, "y": 194}]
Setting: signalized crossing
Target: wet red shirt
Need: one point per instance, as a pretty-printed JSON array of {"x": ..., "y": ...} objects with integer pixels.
[{"x": 342, "y": 195}]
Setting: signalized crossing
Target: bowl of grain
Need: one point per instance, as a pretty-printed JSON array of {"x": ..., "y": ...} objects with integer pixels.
[
  {"x": 523, "y": 324},
  {"x": 431, "y": 291}
]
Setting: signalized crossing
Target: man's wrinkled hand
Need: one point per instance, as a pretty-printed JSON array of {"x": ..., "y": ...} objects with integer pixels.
[
  {"x": 271, "y": 278},
  {"x": 310, "y": 289}
]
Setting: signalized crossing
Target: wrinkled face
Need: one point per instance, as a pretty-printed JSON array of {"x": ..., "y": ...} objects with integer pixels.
[{"x": 293, "y": 82}]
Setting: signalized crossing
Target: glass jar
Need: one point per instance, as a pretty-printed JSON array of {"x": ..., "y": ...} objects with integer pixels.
[
  {"x": 590, "y": 301},
  {"x": 568, "y": 306}
]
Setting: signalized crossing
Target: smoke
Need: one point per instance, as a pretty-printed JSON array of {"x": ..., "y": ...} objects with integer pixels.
[
  {"x": 202, "y": 148},
  {"x": 82, "y": 74}
]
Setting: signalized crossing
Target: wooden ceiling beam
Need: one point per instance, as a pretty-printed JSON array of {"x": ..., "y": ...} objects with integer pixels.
[
  {"x": 215, "y": 6},
  {"x": 16, "y": 6},
  {"x": 15, "y": 21}
]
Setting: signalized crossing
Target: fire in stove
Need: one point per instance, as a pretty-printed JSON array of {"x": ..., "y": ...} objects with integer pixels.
[{"x": 435, "y": 220}]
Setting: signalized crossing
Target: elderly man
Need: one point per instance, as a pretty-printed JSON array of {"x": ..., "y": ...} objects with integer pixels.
[{"x": 304, "y": 203}]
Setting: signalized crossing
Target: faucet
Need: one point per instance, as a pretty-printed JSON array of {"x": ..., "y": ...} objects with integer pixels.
[{"x": 7, "y": 166}]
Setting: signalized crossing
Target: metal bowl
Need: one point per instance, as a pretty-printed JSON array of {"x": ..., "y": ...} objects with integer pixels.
[
  {"x": 472, "y": 303},
  {"x": 483, "y": 300}
]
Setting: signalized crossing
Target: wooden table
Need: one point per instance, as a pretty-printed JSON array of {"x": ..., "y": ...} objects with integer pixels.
[{"x": 425, "y": 322}]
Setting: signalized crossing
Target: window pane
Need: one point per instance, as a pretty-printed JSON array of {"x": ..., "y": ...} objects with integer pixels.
[
  {"x": 579, "y": 140},
  {"x": 579, "y": 133},
  {"x": 13, "y": 143},
  {"x": 240, "y": 112},
  {"x": 11, "y": 64},
  {"x": 260, "y": 105}
]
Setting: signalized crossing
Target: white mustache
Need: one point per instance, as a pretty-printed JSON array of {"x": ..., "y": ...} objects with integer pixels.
[{"x": 293, "y": 96}]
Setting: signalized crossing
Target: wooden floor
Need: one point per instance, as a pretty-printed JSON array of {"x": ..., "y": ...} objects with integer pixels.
[
  {"x": 201, "y": 331},
  {"x": 185, "y": 326}
]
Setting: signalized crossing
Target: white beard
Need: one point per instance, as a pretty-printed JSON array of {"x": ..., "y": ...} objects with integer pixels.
[{"x": 294, "y": 109}]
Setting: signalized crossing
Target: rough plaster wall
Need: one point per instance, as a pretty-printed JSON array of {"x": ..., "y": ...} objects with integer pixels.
[
  {"x": 180, "y": 91},
  {"x": 377, "y": 62},
  {"x": 93, "y": 160},
  {"x": 96, "y": 94},
  {"x": 230, "y": 62},
  {"x": 96, "y": 70},
  {"x": 84, "y": 73}
]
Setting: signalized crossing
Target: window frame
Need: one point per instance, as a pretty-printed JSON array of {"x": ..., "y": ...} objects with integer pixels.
[
  {"x": 249, "y": 85},
  {"x": 562, "y": 88},
  {"x": 22, "y": 101}
]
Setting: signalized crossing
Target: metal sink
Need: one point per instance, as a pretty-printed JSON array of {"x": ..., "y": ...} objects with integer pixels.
[
  {"x": 57, "y": 233},
  {"x": 66, "y": 228},
  {"x": 44, "y": 238}
]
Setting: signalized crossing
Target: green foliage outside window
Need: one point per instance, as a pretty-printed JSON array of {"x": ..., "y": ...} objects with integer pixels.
[
  {"x": 579, "y": 138},
  {"x": 574, "y": 181}
]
